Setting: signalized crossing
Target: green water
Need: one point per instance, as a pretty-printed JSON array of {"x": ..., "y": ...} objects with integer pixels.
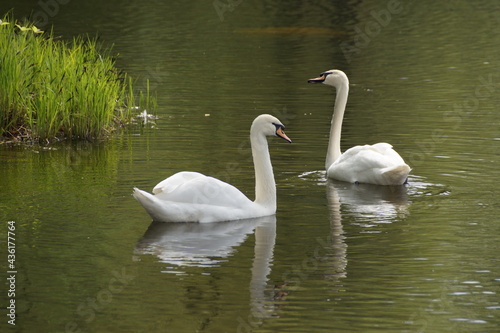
[{"x": 425, "y": 77}]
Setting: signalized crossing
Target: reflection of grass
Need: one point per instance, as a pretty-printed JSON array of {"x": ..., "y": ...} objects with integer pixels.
[
  {"x": 62, "y": 197},
  {"x": 63, "y": 179},
  {"x": 50, "y": 88}
]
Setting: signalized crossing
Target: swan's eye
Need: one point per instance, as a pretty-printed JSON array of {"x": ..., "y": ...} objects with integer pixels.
[{"x": 278, "y": 126}]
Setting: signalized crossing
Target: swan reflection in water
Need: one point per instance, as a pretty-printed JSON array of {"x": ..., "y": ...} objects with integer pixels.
[
  {"x": 370, "y": 204},
  {"x": 365, "y": 202},
  {"x": 367, "y": 205},
  {"x": 208, "y": 244}
]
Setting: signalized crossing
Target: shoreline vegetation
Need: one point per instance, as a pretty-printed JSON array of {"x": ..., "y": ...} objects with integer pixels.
[{"x": 51, "y": 90}]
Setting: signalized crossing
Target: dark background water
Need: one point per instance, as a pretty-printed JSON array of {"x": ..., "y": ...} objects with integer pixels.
[{"x": 424, "y": 77}]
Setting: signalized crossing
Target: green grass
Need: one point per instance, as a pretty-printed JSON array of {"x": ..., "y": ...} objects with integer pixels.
[{"x": 54, "y": 89}]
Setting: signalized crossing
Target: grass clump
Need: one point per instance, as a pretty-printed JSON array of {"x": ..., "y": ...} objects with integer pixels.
[{"x": 52, "y": 89}]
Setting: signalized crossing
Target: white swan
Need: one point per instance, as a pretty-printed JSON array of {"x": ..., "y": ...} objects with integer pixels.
[
  {"x": 376, "y": 164},
  {"x": 193, "y": 197}
]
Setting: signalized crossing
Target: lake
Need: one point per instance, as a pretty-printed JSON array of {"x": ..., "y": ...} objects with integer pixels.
[{"x": 337, "y": 257}]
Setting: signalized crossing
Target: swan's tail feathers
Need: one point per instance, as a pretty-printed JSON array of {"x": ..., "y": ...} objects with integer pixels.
[
  {"x": 142, "y": 196},
  {"x": 150, "y": 204},
  {"x": 397, "y": 175}
]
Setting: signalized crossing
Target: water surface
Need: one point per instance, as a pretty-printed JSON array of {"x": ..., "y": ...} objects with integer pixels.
[{"x": 336, "y": 257}]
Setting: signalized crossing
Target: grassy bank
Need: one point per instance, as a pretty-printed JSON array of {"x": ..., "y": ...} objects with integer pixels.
[{"x": 54, "y": 89}]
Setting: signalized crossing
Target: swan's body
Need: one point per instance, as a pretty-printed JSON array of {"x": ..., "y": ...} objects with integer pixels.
[
  {"x": 374, "y": 164},
  {"x": 193, "y": 197}
]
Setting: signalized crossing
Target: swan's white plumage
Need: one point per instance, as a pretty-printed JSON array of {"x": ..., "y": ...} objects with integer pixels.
[
  {"x": 173, "y": 182},
  {"x": 374, "y": 164},
  {"x": 188, "y": 186},
  {"x": 198, "y": 208},
  {"x": 193, "y": 197}
]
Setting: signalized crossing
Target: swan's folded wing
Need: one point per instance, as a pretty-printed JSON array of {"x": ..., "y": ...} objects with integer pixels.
[
  {"x": 200, "y": 189},
  {"x": 370, "y": 164},
  {"x": 389, "y": 153},
  {"x": 380, "y": 155},
  {"x": 171, "y": 183},
  {"x": 356, "y": 161}
]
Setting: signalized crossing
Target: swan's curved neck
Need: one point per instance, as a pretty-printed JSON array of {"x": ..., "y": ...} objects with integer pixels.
[
  {"x": 265, "y": 187},
  {"x": 334, "y": 152}
]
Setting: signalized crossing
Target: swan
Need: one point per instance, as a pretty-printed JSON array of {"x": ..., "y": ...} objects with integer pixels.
[
  {"x": 193, "y": 197},
  {"x": 374, "y": 164}
]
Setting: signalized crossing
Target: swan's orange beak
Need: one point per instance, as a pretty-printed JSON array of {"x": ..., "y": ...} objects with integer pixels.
[
  {"x": 318, "y": 79},
  {"x": 281, "y": 134}
]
